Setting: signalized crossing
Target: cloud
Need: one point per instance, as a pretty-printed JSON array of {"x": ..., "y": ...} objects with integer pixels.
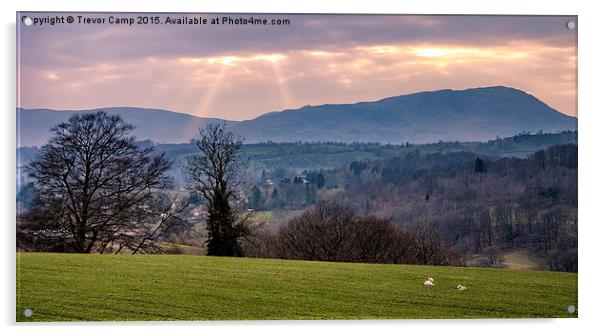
[{"x": 240, "y": 72}]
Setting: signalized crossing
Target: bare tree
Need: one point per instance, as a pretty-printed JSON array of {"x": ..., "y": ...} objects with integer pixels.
[
  {"x": 321, "y": 233},
  {"x": 216, "y": 174},
  {"x": 91, "y": 177},
  {"x": 333, "y": 232},
  {"x": 430, "y": 250},
  {"x": 149, "y": 225}
]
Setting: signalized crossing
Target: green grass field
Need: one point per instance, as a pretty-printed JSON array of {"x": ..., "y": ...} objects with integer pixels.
[{"x": 72, "y": 287}]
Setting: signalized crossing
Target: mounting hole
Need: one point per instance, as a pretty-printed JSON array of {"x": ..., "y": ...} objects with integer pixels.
[
  {"x": 571, "y": 309},
  {"x": 27, "y": 312},
  {"x": 571, "y": 25}
]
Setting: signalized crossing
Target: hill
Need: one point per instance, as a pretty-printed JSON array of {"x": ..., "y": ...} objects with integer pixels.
[
  {"x": 162, "y": 126},
  {"x": 448, "y": 115},
  {"x": 76, "y": 287}
]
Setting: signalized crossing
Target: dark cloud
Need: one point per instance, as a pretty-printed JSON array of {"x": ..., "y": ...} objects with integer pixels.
[
  {"x": 207, "y": 70},
  {"x": 79, "y": 45}
]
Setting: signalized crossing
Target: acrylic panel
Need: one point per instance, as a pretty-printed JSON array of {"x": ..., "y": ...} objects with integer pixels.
[{"x": 231, "y": 166}]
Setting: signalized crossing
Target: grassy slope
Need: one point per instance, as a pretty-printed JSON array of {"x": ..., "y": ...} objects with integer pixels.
[{"x": 62, "y": 287}]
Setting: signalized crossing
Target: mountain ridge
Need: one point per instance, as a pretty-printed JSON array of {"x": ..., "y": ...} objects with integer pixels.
[
  {"x": 464, "y": 115},
  {"x": 472, "y": 114},
  {"x": 157, "y": 124}
]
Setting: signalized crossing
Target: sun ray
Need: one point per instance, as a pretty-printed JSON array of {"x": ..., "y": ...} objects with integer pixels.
[
  {"x": 204, "y": 104},
  {"x": 283, "y": 88}
]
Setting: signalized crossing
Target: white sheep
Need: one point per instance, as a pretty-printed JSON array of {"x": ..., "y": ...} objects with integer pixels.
[{"x": 461, "y": 287}]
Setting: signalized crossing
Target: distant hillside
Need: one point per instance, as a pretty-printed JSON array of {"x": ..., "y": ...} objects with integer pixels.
[
  {"x": 297, "y": 157},
  {"x": 448, "y": 115},
  {"x": 159, "y": 125},
  {"x": 477, "y": 114}
]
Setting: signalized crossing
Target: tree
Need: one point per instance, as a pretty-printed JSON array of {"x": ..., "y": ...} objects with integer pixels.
[
  {"x": 479, "y": 166},
  {"x": 195, "y": 197},
  {"x": 333, "y": 232},
  {"x": 150, "y": 224},
  {"x": 256, "y": 198},
  {"x": 90, "y": 178},
  {"x": 319, "y": 234},
  {"x": 264, "y": 177},
  {"x": 320, "y": 180},
  {"x": 430, "y": 250},
  {"x": 216, "y": 175},
  {"x": 275, "y": 195},
  {"x": 357, "y": 167},
  {"x": 310, "y": 193}
]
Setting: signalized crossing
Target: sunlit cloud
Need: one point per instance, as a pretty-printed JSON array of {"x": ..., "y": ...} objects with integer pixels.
[
  {"x": 230, "y": 60},
  {"x": 52, "y": 76},
  {"x": 447, "y": 52},
  {"x": 235, "y": 82},
  {"x": 321, "y": 53},
  {"x": 386, "y": 49}
]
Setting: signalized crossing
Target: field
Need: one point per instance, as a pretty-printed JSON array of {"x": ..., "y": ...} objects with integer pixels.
[{"x": 72, "y": 287}]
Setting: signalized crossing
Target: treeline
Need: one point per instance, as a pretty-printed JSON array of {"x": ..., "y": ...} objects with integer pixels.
[
  {"x": 329, "y": 155},
  {"x": 281, "y": 189},
  {"x": 333, "y": 232},
  {"x": 524, "y": 144},
  {"x": 281, "y": 163},
  {"x": 295, "y": 157},
  {"x": 477, "y": 205}
]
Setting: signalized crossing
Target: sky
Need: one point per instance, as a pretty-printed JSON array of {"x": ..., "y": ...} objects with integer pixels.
[{"x": 239, "y": 72}]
